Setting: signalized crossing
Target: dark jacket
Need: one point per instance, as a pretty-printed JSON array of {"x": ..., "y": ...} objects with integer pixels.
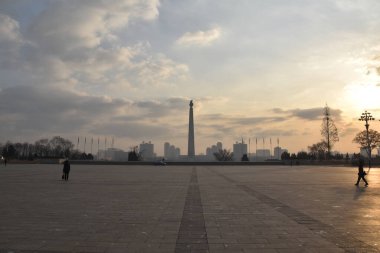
[
  {"x": 66, "y": 167},
  {"x": 361, "y": 167}
]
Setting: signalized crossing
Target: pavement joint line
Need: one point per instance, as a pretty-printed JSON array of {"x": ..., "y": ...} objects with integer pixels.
[
  {"x": 192, "y": 232},
  {"x": 346, "y": 242},
  {"x": 37, "y": 251}
]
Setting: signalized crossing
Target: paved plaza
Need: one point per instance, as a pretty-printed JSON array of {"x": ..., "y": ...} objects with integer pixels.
[{"x": 118, "y": 208}]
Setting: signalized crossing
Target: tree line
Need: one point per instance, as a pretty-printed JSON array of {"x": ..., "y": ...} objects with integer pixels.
[
  {"x": 224, "y": 155},
  {"x": 303, "y": 155},
  {"x": 368, "y": 140},
  {"x": 56, "y": 147}
]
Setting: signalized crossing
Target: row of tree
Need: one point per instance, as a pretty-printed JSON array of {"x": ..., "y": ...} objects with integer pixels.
[
  {"x": 57, "y": 147},
  {"x": 367, "y": 139},
  {"x": 227, "y": 155},
  {"x": 302, "y": 155}
]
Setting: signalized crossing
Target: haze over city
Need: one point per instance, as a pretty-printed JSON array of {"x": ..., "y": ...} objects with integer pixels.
[{"x": 128, "y": 69}]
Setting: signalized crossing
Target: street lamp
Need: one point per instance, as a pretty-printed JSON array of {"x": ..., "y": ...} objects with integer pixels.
[{"x": 366, "y": 116}]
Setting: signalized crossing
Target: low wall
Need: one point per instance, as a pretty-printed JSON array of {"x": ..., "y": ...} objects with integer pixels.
[
  {"x": 175, "y": 163},
  {"x": 182, "y": 163},
  {"x": 36, "y": 161},
  {"x": 215, "y": 163}
]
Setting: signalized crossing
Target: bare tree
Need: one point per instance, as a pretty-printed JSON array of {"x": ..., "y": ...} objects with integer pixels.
[
  {"x": 223, "y": 155},
  {"x": 318, "y": 150},
  {"x": 41, "y": 147},
  {"x": 134, "y": 154},
  {"x": 60, "y": 147},
  {"x": 371, "y": 142},
  {"x": 329, "y": 130}
]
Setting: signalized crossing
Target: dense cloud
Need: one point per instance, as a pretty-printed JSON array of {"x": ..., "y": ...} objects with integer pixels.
[
  {"x": 309, "y": 113},
  {"x": 39, "y": 111},
  {"x": 66, "y": 27},
  {"x": 77, "y": 45},
  {"x": 236, "y": 120},
  {"x": 221, "y": 125},
  {"x": 65, "y": 69},
  {"x": 132, "y": 129}
]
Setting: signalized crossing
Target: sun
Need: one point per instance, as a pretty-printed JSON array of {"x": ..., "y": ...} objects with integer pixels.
[{"x": 363, "y": 96}]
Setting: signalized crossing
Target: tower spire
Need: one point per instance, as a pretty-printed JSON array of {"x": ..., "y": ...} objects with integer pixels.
[{"x": 190, "y": 147}]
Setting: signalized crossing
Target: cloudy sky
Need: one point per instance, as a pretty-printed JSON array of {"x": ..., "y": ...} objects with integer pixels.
[{"x": 128, "y": 68}]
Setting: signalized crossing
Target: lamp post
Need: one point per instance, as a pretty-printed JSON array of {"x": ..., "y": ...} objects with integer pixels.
[{"x": 366, "y": 116}]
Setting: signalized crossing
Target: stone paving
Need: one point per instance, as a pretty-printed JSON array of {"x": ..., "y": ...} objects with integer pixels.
[{"x": 110, "y": 208}]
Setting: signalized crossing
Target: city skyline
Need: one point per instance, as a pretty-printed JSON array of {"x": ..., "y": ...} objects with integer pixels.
[
  {"x": 128, "y": 70},
  {"x": 254, "y": 148}
]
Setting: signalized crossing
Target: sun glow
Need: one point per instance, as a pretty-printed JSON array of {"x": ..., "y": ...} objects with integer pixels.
[{"x": 363, "y": 96}]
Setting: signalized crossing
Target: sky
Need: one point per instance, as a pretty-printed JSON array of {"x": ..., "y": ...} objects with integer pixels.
[{"x": 127, "y": 69}]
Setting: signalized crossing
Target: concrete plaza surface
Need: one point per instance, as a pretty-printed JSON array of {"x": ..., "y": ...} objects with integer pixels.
[{"x": 113, "y": 208}]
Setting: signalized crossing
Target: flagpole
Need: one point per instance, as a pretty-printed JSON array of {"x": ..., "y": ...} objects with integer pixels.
[
  {"x": 256, "y": 148},
  {"x": 249, "y": 148},
  {"x": 270, "y": 150},
  {"x": 105, "y": 148},
  {"x": 264, "y": 147}
]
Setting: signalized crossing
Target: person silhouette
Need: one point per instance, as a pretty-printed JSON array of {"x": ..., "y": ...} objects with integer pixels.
[
  {"x": 66, "y": 169},
  {"x": 361, "y": 172}
]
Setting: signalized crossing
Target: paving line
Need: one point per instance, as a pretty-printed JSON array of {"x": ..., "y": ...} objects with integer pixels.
[
  {"x": 36, "y": 251},
  {"x": 342, "y": 240},
  {"x": 192, "y": 234}
]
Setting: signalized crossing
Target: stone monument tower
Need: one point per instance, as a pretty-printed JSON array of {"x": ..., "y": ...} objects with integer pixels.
[{"x": 190, "y": 146}]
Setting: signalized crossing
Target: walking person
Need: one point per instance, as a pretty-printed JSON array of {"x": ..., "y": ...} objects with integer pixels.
[
  {"x": 66, "y": 169},
  {"x": 361, "y": 172}
]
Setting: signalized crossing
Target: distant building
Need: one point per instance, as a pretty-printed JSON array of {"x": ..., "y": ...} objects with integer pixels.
[
  {"x": 166, "y": 149},
  {"x": 252, "y": 157},
  {"x": 278, "y": 151},
  {"x": 171, "y": 152},
  {"x": 263, "y": 153},
  {"x": 113, "y": 154},
  {"x": 210, "y": 151},
  {"x": 147, "y": 151},
  {"x": 239, "y": 149},
  {"x": 177, "y": 152}
]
